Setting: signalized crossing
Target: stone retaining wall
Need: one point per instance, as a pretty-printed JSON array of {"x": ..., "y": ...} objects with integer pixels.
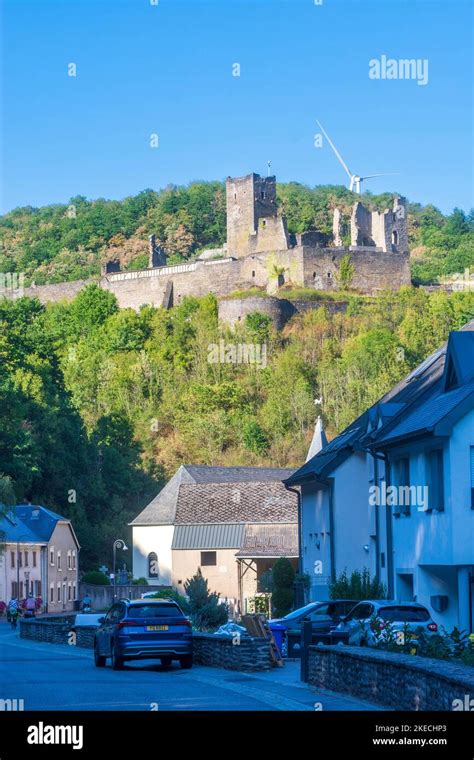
[
  {"x": 400, "y": 681},
  {"x": 219, "y": 652},
  {"x": 215, "y": 651}
]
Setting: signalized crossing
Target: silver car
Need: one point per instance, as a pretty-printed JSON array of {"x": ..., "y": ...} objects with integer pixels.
[{"x": 367, "y": 623}]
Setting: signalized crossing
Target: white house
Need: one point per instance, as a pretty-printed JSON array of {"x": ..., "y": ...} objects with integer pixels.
[
  {"x": 232, "y": 522},
  {"x": 394, "y": 491}
]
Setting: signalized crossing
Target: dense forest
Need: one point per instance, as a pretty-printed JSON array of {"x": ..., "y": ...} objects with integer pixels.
[
  {"x": 99, "y": 405},
  {"x": 69, "y": 241}
]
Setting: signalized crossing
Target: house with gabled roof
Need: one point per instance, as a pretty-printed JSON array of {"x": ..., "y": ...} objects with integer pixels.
[
  {"x": 40, "y": 556},
  {"x": 232, "y": 522},
  {"x": 394, "y": 492}
]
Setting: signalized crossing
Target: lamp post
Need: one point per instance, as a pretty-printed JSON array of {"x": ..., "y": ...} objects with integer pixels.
[{"x": 118, "y": 544}]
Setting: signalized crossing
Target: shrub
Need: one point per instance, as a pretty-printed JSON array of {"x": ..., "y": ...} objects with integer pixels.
[
  {"x": 359, "y": 586},
  {"x": 283, "y": 586},
  {"x": 173, "y": 593},
  {"x": 96, "y": 578},
  {"x": 140, "y": 582},
  {"x": 204, "y": 608}
]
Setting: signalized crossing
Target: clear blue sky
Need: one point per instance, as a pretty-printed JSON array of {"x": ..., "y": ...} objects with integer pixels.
[{"x": 167, "y": 69}]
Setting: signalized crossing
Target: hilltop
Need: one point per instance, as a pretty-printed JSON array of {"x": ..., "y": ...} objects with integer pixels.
[{"x": 65, "y": 242}]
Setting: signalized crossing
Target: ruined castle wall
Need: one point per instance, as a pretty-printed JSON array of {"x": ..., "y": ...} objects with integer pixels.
[
  {"x": 61, "y": 291},
  {"x": 232, "y": 311},
  {"x": 374, "y": 269}
]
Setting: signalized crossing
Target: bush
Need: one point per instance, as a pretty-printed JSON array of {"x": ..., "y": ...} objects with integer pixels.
[
  {"x": 206, "y": 612},
  {"x": 140, "y": 582},
  {"x": 283, "y": 586},
  {"x": 173, "y": 593},
  {"x": 359, "y": 586},
  {"x": 96, "y": 578}
]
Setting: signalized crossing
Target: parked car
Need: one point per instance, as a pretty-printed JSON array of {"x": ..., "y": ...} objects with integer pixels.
[
  {"x": 361, "y": 621},
  {"x": 324, "y": 615},
  {"x": 88, "y": 618},
  {"x": 144, "y": 629}
]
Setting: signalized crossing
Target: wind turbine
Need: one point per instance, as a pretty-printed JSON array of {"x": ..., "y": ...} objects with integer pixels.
[{"x": 355, "y": 179}]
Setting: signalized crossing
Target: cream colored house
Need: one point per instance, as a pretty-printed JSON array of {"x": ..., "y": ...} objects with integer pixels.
[
  {"x": 40, "y": 554},
  {"x": 232, "y": 522}
]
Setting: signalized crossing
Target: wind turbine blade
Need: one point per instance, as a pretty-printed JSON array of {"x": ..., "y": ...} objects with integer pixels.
[
  {"x": 385, "y": 174},
  {"x": 338, "y": 155}
]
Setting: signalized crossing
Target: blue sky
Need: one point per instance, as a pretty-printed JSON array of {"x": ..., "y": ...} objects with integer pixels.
[{"x": 167, "y": 69}]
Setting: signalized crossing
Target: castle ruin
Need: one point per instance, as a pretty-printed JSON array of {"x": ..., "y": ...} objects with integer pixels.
[{"x": 260, "y": 253}]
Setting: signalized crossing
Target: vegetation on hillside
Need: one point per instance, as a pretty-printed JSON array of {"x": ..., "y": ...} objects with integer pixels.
[
  {"x": 98, "y": 406},
  {"x": 69, "y": 241}
]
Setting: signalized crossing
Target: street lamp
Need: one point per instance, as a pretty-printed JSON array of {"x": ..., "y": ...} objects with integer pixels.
[{"x": 118, "y": 544}]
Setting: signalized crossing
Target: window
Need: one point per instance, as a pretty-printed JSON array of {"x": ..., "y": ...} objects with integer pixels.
[
  {"x": 12, "y": 559},
  {"x": 51, "y": 593},
  {"x": 69, "y": 592},
  {"x": 59, "y": 560},
  {"x": 153, "y": 565},
  {"x": 253, "y": 273},
  {"x": 74, "y": 590},
  {"x": 329, "y": 275},
  {"x": 435, "y": 480},
  {"x": 394, "y": 237},
  {"x": 69, "y": 560},
  {"x": 59, "y": 592},
  {"x": 208, "y": 559},
  {"x": 264, "y": 222},
  {"x": 74, "y": 560},
  {"x": 404, "y": 614},
  {"x": 402, "y": 481},
  {"x": 26, "y": 559},
  {"x": 14, "y": 590},
  {"x": 51, "y": 556},
  {"x": 20, "y": 562},
  {"x": 263, "y": 195},
  {"x": 21, "y": 590},
  {"x": 382, "y": 559},
  {"x": 34, "y": 559},
  {"x": 361, "y": 612},
  {"x": 471, "y": 452},
  {"x": 115, "y": 614},
  {"x": 37, "y": 591}
]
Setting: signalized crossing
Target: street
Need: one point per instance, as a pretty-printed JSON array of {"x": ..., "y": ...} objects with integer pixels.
[{"x": 58, "y": 677}]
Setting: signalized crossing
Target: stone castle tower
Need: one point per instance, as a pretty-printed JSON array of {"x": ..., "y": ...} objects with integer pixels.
[{"x": 253, "y": 222}]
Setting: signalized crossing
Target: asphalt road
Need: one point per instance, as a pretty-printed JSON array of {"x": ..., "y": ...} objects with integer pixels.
[{"x": 57, "y": 677}]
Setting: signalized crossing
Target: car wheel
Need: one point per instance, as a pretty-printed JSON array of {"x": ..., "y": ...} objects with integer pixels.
[
  {"x": 166, "y": 662},
  {"x": 117, "y": 662},
  {"x": 186, "y": 662},
  {"x": 98, "y": 658}
]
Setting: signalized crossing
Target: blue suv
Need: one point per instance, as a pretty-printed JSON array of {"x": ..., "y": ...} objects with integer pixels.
[{"x": 144, "y": 629}]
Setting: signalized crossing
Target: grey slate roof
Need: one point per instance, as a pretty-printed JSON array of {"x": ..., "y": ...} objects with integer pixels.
[
  {"x": 270, "y": 541},
  {"x": 174, "y": 499},
  {"x": 220, "y": 536},
  {"x": 235, "y": 502}
]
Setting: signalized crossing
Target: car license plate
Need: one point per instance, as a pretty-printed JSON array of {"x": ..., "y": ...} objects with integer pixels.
[{"x": 157, "y": 627}]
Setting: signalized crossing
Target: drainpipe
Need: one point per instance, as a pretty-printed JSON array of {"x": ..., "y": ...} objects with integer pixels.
[
  {"x": 300, "y": 527},
  {"x": 332, "y": 541},
  {"x": 377, "y": 523},
  {"x": 388, "y": 514}
]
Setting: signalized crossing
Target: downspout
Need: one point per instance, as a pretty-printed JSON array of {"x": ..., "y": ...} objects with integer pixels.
[
  {"x": 300, "y": 527},
  {"x": 332, "y": 542},
  {"x": 377, "y": 523},
  {"x": 388, "y": 514}
]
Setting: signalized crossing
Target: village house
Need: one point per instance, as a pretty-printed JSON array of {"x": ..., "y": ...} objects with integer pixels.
[
  {"x": 394, "y": 492},
  {"x": 40, "y": 557},
  {"x": 232, "y": 522}
]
